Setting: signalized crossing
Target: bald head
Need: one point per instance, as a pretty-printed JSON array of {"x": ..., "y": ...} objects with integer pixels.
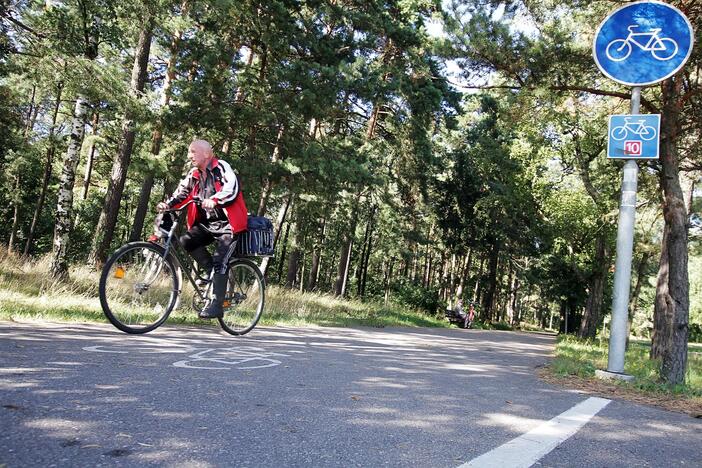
[{"x": 200, "y": 153}]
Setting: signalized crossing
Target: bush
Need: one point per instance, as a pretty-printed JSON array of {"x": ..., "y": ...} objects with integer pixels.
[
  {"x": 501, "y": 326},
  {"x": 695, "y": 330},
  {"x": 417, "y": 296}
]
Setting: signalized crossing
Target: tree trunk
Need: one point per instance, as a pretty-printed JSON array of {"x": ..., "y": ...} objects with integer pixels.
[
  {"x": 142, "y": 207},
  {"x": 660, "y": 337},
  {"x": 276, "y": 229},
  {"x": 110, "y": 212},
  {"x": 29, "y": 123},
  {"x": 344, "y": 261},
  {"x": 365, "y": 251},
  {"x": 489, "y": 297},
  {"x": 50, "y": 151},
  {"x": 313, "y": 276},
  {"x": 284, "y": 251},
  {"x": 156, "y": 140},
  {"x": 64, "y": 209},
  {"x": 672, "y": 292},
  {"x": 293, "y": 267},
  {"x": 16, "y": 198},
  {"x": 364, "y": 271},
  {"x": 512, "y": 305},
  {"x": 346, "y": 247},
  {"x": 465, "y": 268},
  {"x": 476, "y": 289},
  {"x": 388, "y": 281},
  {"x": 314, "y": 270},
  {"x": 593, "y": 308},
  {"x": 91, "y": 158},
  {"x": 634, "y": 301},
  {"x": 268, "y": 183}
]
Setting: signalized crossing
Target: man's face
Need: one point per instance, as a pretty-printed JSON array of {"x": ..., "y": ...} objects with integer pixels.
[{"x": 199, "y": 156}]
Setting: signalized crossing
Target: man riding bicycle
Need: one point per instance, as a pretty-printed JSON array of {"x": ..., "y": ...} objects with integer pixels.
[{"x": 218, "y": 218}]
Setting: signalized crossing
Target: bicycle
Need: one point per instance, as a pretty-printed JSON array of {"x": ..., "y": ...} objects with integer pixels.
[
  {"x": 638, "y": 127},
  {"x": 141, "y": 284},
  {"x": 620, "y": 49}
]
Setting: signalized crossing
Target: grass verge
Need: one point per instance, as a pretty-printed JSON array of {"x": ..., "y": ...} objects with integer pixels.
[
  {"x": 576, "y": 360},
  {"x": 28, "y": 293}
]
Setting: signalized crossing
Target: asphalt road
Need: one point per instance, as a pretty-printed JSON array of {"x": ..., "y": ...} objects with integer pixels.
[{"x": 89, "y": 395}]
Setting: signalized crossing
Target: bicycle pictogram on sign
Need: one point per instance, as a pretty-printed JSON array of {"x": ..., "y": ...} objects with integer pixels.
[
  {"x": 661, "y": 48},
  {"x": 637, "y": 127}
]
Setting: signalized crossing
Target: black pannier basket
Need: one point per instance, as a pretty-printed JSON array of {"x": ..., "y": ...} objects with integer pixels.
[{"x": 257, "y": 241}]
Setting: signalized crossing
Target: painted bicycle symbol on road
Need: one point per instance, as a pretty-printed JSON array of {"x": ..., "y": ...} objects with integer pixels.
[
  {"x": 635, "y": 127},
  {"x": 662, "y": 48},
  {"x": 241, "y": 358}
]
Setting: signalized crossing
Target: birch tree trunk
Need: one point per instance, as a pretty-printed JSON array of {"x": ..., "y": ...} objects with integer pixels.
[{"x": 64, "y": 208}]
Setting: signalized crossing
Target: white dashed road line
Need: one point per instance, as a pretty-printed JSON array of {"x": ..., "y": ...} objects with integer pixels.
[{"x": 530, "y": 447}]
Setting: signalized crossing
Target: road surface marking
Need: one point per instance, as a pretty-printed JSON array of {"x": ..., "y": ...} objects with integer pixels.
[
  {"x": 239, "y": 357},
  {"x": 530, "y": 447}
]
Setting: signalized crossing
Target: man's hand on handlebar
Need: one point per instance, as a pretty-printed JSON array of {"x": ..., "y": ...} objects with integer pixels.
[{"x": 207, "y": 204}]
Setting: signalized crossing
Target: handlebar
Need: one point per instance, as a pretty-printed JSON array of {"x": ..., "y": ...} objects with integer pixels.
[{"x": 196, "y": 201}]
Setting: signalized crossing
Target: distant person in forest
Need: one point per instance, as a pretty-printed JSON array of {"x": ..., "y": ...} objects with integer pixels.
[
  {"x": 471, "y": 314},
  {"x": 219, "y": 217}
]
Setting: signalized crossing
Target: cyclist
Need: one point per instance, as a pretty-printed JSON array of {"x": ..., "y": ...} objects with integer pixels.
[{"x": 219, "y": 218}]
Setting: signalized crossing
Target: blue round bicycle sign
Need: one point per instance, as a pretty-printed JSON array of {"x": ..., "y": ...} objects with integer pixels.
[{"x": 643, "y": 43}]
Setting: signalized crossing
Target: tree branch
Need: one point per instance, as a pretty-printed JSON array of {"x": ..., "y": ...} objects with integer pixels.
[{"x": 600, "y": 92}]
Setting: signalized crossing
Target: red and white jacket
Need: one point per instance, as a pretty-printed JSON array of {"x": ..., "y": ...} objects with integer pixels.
[{"x": 227, "y": 194}]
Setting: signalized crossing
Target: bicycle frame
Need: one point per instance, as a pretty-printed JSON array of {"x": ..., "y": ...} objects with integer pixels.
[
  {"x": 653, "y": 33},
  {"x": 187, "y": 265},
  {"x": 634, "y": 127}
]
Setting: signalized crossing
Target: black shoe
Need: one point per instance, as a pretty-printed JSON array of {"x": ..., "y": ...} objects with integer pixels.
[{"x": 216, "y": 307}]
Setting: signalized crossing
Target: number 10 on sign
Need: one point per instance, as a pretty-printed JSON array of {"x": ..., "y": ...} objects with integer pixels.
[{"x": 632, "y": 148}]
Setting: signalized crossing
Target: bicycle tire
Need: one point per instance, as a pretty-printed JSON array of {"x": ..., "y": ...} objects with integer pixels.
[
  {"x": 617, "y": 57},
  {"x": 619, "y": 133},
  {"x": 124, "y": 303},
  {"x": 662, "y": 42},
  {"x": 647, "y": 133},
  {"x": 245, "y": 298}
]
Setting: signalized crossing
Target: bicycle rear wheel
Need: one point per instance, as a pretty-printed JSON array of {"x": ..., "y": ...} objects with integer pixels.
[
  {"x": 139, "y": 287},
  {"x": 245, "y": 298}
]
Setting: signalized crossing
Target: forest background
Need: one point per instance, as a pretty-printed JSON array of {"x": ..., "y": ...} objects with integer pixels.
[{"x": 408, "y": 151}]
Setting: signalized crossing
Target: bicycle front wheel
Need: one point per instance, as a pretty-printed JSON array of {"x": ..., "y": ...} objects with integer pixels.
[
  {"x": 618, "y": 50},
  {"x": 138, "y": 287},
  {"x": 245, "y": 298}
]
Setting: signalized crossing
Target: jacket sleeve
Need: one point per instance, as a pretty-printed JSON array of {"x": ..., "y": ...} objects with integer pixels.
[
  {"x": 182, "y": 192},
  {"x": 230, "y": 185}
]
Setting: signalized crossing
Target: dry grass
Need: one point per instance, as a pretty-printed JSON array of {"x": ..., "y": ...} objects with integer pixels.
[{"x": 27, "y": 292}]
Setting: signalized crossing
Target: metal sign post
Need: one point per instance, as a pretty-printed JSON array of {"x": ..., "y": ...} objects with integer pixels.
[
  {"x": 638, "y": 44},
  {"x": 625, "y": 251}
]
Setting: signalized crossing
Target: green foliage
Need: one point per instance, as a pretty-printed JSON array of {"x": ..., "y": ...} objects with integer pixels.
[{"x": 418, "y": 297}]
